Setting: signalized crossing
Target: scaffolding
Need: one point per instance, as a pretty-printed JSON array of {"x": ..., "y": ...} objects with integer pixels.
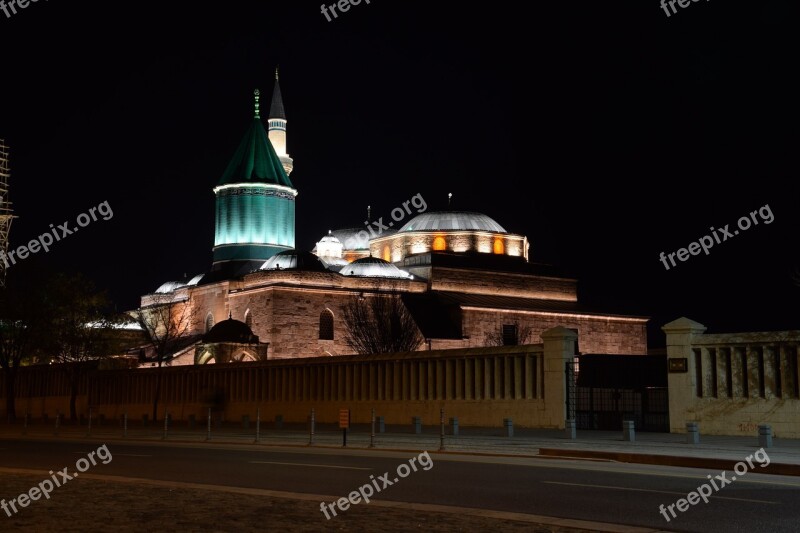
[{"x": 6, "y": 211}]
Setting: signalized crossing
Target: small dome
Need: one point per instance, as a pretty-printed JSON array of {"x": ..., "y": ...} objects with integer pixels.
[
  {"x": 353, "y": 238},
  {"x": 195, "y": 280},
  {"x": 294, "y": 260},
  {"x": 231, "y": 331},
  {"x": 453, "y": 221},
  {"x": 374, "y": 267},
  {"x": 169, "y": 287}
]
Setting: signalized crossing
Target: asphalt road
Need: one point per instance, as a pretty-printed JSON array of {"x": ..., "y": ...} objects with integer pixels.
[{"x": 598, "y": 491}]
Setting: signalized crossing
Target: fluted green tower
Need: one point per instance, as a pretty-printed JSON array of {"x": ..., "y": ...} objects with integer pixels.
[{"x": 255, "y": 202}]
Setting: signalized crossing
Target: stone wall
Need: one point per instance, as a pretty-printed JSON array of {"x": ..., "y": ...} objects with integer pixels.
[
  {"x": 480, "y": 386},
  {"x": 734, "y": 382}
]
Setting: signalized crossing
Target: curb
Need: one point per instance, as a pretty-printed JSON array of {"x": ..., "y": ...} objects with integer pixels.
[{"x": 780, "y": 469}]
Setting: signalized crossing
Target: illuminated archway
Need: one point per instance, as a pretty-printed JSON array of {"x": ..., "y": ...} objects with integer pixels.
[{"x": 439, "y": 244}]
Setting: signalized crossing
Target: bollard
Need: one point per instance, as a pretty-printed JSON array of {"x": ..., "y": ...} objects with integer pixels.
[
  {"x": 765, "y": 435},
  {"x": 441, "y": 432},
  {"x": 89, "y": 427},
  {"x": 692, "y": 433},
  {"x": 311, "y": 430},
  {"x": 628, "y": 431},
  {"x": 454, "y": 425},
  {"x": 58, "y": 421},
  {"x": 381, "y": 424},
  {"x": 416, "y": 422},
  {"x": 508, "y": 423},
  {"x": 125, "y": 426},
  {"x": 278, "y": 421},
  {"x": 208, "y": 431},
  {"x": 25, "y": 424},
  {"x": 166, "y": 425},
  {"x": 245, "y": 421},
  {"x": 569, "y": 429},
  {"x": 372, "y": 433},
  {"x": 258, "y": 424}
]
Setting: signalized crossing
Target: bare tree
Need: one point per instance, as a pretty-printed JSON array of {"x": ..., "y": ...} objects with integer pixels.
[
  {"x": 80, "y": 328},
  {"x": 380, "y": 323},
  {"x": 166, "y": 324},
  {"x": 509, "y": 335},
  {"x": 22, "y": 328}
]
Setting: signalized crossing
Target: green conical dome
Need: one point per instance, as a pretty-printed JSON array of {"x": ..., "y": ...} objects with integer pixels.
[{"x": 255, "y": 161}]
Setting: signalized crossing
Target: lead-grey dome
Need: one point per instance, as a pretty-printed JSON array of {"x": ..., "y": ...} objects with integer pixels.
[
  {"x": 374, "y": 267},
  {"x": 453, "y": 221},
  {"x": 294, "y": 260}
]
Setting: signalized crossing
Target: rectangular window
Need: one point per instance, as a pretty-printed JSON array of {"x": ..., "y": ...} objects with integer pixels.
[{"x": 509, "y": 334}]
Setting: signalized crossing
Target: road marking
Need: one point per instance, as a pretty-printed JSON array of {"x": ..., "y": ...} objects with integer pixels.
[
  {"x": 302, "y": 464},
  {"x": 657, "y": 491},
  {"x": 116, "y": 454}
]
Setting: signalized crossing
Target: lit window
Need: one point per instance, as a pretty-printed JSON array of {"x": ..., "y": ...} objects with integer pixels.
[
  {"x": 209, "y": 322},
  {"x": 439, "y": 244},
  {"x": 498, "y": 247},
  {"x": 387, "y": 254},
  {"x": 326, "y": 325}
]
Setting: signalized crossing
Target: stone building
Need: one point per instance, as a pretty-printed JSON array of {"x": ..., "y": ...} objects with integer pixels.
[{"x": 465, "y": 280}]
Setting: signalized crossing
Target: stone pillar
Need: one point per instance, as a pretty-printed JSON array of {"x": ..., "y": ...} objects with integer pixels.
[
  {"x": 682, "y": 385},
  {"x": 559, "y": 347}
]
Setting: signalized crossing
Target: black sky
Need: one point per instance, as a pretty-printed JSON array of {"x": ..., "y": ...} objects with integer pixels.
[{"x": 604, "y": 131}]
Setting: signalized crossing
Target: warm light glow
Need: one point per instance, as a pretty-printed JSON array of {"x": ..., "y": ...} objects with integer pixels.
[
  {"x": 498, "y": 246},
  {"x": 439, "y": 244},
  {"x": 387, "y": 253}
]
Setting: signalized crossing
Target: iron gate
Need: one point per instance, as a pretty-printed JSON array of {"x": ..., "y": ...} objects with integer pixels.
[{"x": 604, "y": 390}]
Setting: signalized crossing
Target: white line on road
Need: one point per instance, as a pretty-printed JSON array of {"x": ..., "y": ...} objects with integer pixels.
[
  {"x": 117, "y": 454},
  {"x": 301, "y": 464},
  {"x": 650, "y": 490}
]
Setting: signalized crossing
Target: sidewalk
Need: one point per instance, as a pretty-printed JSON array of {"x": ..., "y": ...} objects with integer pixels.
[{"x": 717, "y": 452}]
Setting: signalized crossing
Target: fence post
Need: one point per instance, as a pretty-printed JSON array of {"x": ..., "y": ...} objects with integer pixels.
[
  {"x": 441, "y": 433},
  {"x": 125, "y": 425},
  {"x": 208, "y": 432},
  {"x": 89, "y": 427},
  {"x": 58, "y": 420},
  {"x": 372, "y": 433},
  {"x": 311, "y": 429},
  {"x": 166, "y": 424},
  {"x": 258, "y": 424}
]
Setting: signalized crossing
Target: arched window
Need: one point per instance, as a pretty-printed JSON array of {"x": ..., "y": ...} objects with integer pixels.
[
  {"x": 498, "y": 247},
  {"x": 326, "y": 325},
  {"x": 439, "y": 244},
  {"x": 209, "y": 322},
  {"x": 248, "y": 319}
]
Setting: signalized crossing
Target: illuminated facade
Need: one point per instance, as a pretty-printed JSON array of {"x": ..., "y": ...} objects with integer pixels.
[{"x": 466, "y": 281}]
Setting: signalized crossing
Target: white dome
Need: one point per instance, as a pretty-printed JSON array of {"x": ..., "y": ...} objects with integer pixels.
[
  {"x": 170, "y": 286},
  {"x": 373, "y": 267},
  {"x": 453, "y": 221}
]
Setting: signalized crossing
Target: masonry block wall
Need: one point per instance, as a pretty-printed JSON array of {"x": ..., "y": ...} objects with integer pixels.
[
  {"x": 734, "y": 382},
  {"x": 480, "y": 386}
]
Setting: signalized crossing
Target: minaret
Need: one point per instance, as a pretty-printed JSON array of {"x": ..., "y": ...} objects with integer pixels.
[
  {"x": 6, "y": 213},
  {"x": 255, "y": 202},
  {"x": 277, "y": 127}
]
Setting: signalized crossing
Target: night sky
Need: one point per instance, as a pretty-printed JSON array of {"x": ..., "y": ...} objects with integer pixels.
[{"x": 606, "y": 132}]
